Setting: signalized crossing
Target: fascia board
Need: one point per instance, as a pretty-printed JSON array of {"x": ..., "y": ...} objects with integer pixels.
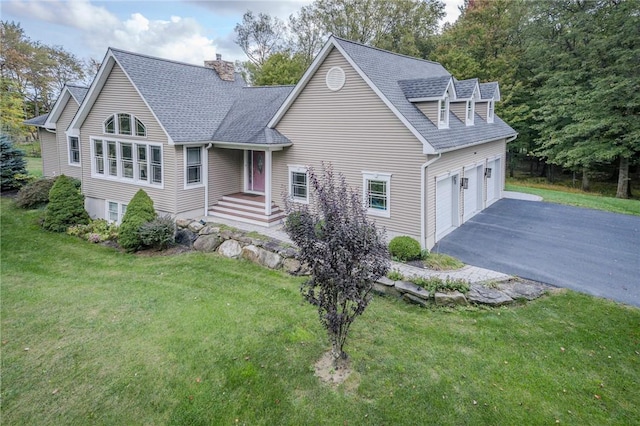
[
  {"x": 57, "y": 109},
  {"x": 506, "y": 138},
  {"x": 430, "y": 99},
  {"x": 252, "y": 146}
]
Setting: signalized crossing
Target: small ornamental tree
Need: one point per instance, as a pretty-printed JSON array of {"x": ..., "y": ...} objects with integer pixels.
[
  {"x": 66, "y": 206},
  {"x": 13, "y": 164},
  {"x": 344, "y": 250},
  {"x": 139, "y": 211}
]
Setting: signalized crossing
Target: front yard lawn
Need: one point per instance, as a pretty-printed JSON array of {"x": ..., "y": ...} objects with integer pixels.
[{"x": 94, "y": 336}]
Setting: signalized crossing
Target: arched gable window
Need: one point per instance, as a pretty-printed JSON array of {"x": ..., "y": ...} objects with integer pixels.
[{"x": 124, "y": 124}]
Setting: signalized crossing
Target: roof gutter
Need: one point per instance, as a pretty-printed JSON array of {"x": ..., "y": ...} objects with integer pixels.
[{"x": 423, "y": 196}]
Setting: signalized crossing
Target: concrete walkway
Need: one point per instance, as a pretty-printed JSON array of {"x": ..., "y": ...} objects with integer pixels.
[{"x": 472, "y": 274}]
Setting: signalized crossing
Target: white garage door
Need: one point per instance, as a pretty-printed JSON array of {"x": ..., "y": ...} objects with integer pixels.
[
  {"x": 473, "y": 192},
  {"x": 494, "y": 181},
  {"x": 446, "y": 205}
]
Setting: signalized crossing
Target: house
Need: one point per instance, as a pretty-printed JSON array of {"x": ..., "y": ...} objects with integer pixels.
[{"x": 426, "y": 150}]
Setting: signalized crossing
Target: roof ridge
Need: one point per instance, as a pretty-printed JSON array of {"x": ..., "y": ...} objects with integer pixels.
[
  {"x": 157, "y": 58},
  {"x": 76, "y": 86},
  {"x": 268, "y": 86},
  {"x": 386, "y": 51}
]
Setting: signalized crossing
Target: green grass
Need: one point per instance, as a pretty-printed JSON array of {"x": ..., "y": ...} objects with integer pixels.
[
  {"x": 34, "y": 166},
  {"x": 115, "y": 338},
  {"x": 574, "y": 197},
  {"x": 442, "y": 262}
]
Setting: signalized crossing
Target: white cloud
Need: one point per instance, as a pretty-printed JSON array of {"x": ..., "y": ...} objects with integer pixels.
[{"x": 451, "y": 10}]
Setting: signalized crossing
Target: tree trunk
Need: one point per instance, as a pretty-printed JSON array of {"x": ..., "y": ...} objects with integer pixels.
[
  {"x": 586, "y": 184},
  {"x": 623, "y": 179}
]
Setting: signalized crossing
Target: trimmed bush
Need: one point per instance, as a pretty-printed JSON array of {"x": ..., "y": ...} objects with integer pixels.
[
  {"x": 159, "y": 233},
  {"x": 66, "y": 206},
  {"x": 35, "y": 194},
  {"x": 12, "y": 165},
  {"x": 139, "y": 211},
  {"x": 405, "y": 248}
]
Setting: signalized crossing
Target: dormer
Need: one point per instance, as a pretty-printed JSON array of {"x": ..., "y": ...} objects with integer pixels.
[
  {"x": 489, "y": 95},
  {"x": 432, "y": 96},
  {"x": 468, "y": 92}
]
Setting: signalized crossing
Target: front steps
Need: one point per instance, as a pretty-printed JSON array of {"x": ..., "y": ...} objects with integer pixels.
[{"x": 247, "y": 208}]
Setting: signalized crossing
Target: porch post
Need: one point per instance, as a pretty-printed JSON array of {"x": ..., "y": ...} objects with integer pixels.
[{"x": 267, "y": 183}]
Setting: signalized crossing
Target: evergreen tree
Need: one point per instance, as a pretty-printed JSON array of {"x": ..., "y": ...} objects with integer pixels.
[
  {"x": 66, "y": 206},
  {"x": 13, "y": 164},
  {"x": 139, "y": 211}
]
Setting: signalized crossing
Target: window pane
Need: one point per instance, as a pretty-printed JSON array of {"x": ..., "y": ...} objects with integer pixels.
[
  {"x": 377, "y": 194},
  {"x": 109, "y": 125},
  {"x": 156, "y": 164},
  {"x": 193, "y": 174},
  {"x": 193, "y": 156},
  {"x": 113, "y": 211},
  {"x": 113, "y": 162},
  {"x": 299, "y": 185},
  {"x": 124, "y": 122},
  {"x": 126, "y": 155},
  {"x": 141, "y": 130},
  {"x": 142, "y": 162},
  {"x": 74, "y": 150},
  {"x": 98, "y": 156}
]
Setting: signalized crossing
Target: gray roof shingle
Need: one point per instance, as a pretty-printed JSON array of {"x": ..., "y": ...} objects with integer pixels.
[
  {"x": 464, "y": 88},
  {"x": 385, "y": 70},
  {"x": 487, "y": 90},
  {"x": 433, "y": 87},
  {"x": 37, "y": 121},
  {"x": 78, "y": 92}
]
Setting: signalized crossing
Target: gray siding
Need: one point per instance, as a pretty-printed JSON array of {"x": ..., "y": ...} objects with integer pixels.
[
  {"x": 481, "y": 109},
  {"x": 188, "y": 198},
  {"x": 118, "y": 95},
  {"x": 225, "y": 172},
  {"x": 68, "y": 112},
  {"x": 456, "y": 161},
  {"x": 430, "y": 109},
  {"x": 49, "y": 152},
  {"x": 355, "y": 131},
  {"x": 459, "y": 109}
]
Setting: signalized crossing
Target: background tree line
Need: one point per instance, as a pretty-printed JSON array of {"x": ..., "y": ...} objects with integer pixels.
[{"x": 568, "y": 69}]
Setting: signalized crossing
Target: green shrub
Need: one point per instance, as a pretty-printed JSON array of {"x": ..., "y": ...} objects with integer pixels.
[
  {"x": 139, "y": 211},
  {"x": 66, "y": 206},
  {"x": 159, "y": 233},
  {"x": 395, "y": 275},
  {"x": 405, "y": 248},
  {"x": 35, "y": 194},
  {"x": 434, "y": 284},
  {"x": 96, "y": 231},
  {"x": 12, "y": 165}
]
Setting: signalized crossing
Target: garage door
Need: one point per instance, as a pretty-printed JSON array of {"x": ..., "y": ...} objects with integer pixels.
[
  {"x": 446, "y": 205},
  {"x": 493, "y": 181},
  {"x": 473, "y": 192}
]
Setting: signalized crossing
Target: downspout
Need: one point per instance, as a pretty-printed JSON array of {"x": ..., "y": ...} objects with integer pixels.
[
  {"x": 206, "y": 180},
  {"x": 423, "y": 195}
]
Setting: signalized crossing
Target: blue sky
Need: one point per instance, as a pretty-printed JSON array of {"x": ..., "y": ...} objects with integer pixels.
[{"x": 187, "y": 30}]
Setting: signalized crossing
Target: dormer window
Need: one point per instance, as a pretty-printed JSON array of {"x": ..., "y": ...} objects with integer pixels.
[
  {"x": 443, "y": 112},
  {"x": 470, "y": 112},
  {"x": 490, "y": 111},
  {"x": 124, "y": 124}
]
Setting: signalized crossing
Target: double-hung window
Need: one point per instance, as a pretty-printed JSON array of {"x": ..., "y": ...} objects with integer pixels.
[
  {"x": 115, "y": 211},
  {"x": 377, "y": 193},
  {"x": 298, "y": 184},
  {"x": 470, "y": 112},
  {"x": 74, "y": 151},
  {"x": 443, "y": 112},
  {"x": 490, "y": 111},
  {"x": 193, "y": 159},
  {"x": 139, "y": 163}
]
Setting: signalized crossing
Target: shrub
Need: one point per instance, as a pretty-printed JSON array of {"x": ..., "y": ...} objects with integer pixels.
[
  {"x": 35, "y": 194},
  {"x": 434, "y": 284},
  {"x": 139, "y": 211},
  {"x": 395, "y": 275},
  {"x": 159, "y": 233},
  {"x": 66, "y": 206},
  {"x": 95, "y": 231},
  {"x": 12, "y": 165},
  {"x": 405, "y": 248}
]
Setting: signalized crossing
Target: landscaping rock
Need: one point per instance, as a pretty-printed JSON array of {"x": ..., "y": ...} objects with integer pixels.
[
  {"x": 207, "y": 243},
  {"x": 292, "y": 266},
  {"x": 450, "y": 299},
  {"x": 487, "y": 296},
  {"x": 185, "y": 237},
  {"x": 226, "y": 234},
  {"x": 208, "y": 230},
  {"x": 411, "y": 288},
  {"x": 183, "y": 223},
  {"x": 408, "y": 297},
  {"x": 244, "y": 240},
  {"x": 261, "y": 256},
  {"x": 528, "y": 290},
  {"x": 230, "y": 248},
  {"x": 385, "y": 289},
  {"x": 288, "y": 252},
  {"x": 195, "y": 227}
]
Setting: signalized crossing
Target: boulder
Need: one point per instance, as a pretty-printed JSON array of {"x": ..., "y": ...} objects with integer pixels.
[
  {"x": 408, "y": 297},
  {"x": 292, "y": 266},
  {"x": 226, "y": 234},
  {"x": 287, "y": 252},
  {"x": 195, "y": 227},
  {"x": 185, "y": 237},
  {"x": 183, "y": 223},
  {"x": 207, "y": 243},
  {"x": 230, "y": 248},
  {"x": 208, "y": 230},
  {"x": 450, "y": 299},
  {"x": 487, "y": 296},
  {"x": 411, "y": 288},
  {"x": 528, "y": 290},
  {"x": 261, "y": 256}
]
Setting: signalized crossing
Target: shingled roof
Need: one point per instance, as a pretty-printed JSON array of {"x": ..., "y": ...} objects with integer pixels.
[
  {"x": 78, "y": 92},
  {"x": 465, "y": 88},
  {"x": 489, "y": 91},
  {"x": 425, "y": 88},
  {"x": 37, "y": 121}
]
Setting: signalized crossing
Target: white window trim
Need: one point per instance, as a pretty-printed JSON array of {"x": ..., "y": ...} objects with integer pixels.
[
  {"x": 490, "y": 111},
  {"x": 71, "y": 163},
  {"x": 444, "y": 124},
  {"x": 380, "y": 176},
  {"x": 298, "y": 169},
  {"x": 186, "y": 175},
  {"x": 469, "y": 120},
  {"x": 121, "y": 211},
  {"x": 119, "y": 178},
  {"x": 116, "y": 126}
]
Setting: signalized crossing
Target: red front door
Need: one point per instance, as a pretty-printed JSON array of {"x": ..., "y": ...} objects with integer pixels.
[{"x": 256, "y": 171}]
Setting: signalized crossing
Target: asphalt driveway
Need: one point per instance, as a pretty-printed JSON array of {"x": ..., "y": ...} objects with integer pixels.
[{"x": 585, "y": 250}]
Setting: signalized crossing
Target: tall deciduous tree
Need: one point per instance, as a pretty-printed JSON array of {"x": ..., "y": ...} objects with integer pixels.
[
  {"x": 345, "y": 252},
  {"x": 260, "y": 36},
  {"x": 280, "y": 68}
]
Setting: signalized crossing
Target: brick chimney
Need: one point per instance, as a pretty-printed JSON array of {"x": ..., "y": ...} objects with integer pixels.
[{"x": 225, "y": 69}]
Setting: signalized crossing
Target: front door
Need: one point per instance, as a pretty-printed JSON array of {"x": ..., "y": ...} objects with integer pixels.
[{"x": 256, "y": 171}]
